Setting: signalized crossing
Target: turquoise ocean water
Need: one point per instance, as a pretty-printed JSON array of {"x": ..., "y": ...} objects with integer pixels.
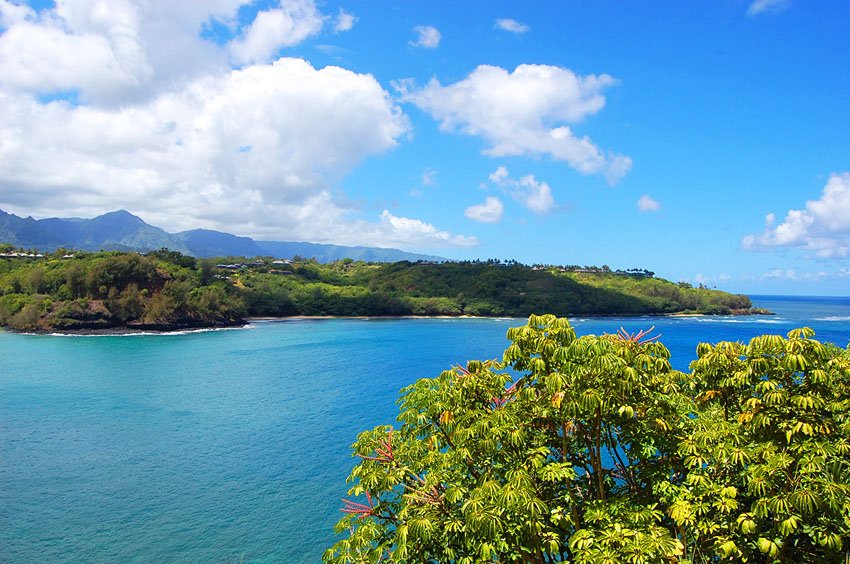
[{"x": 230, "y": 446}]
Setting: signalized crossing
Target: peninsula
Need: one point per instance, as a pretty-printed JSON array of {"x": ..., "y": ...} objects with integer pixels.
[{"x": 165, "y": 290}]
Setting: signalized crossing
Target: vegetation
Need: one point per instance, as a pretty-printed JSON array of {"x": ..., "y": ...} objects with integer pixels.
[
  {"x": 166, "y": 289},
  {"x": 468, "y": 288},
  {"x": 594, "y": 450}
]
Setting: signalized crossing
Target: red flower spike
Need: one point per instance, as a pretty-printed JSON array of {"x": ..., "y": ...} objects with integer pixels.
[
  {"x": 360, "y": 509},
  {"x": 385, "y": 451},
  {"x": 638, "y": 338},
  {"x": 433, "y": 497}
]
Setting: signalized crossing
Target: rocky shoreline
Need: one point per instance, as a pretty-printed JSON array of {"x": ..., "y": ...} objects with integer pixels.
[{"x": 95, "y": 328}]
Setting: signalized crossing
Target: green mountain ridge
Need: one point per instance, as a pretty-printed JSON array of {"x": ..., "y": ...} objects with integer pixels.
[{"x": 122, "y": 231}]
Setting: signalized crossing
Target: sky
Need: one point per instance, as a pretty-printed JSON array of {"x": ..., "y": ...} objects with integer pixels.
[{"x": 708, "y": 141}]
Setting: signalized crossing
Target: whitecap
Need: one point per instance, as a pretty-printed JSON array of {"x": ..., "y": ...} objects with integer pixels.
[
  {"x": 140, "y": 333},
  {"x": 736, "y": 320}
]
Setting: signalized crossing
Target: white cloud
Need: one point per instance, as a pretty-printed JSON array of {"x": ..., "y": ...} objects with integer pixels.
[
  {"x": 822, "y": 229},
  {"x": 427, "y": 37},
  {"x": 344, "y": 21},
  {"x": 186, "y": 141},
  {"x": 767, "y": 6},
  {"x": 769, "y": 220},
  {"x": 795, "y": 275},
  {"x": 513, "y": 26},
  {"x": 252, "y": 151},
  {"x": 109, "y": 51},
  {"x": 94, "y": 47},
  {"x": 489, "y": 212},
  {"x": 709, "y": 279},
  {"x": 646, "y": 204},
  {"x": 285, "y": 26},
  {"x": 11, "y": 13},
  {"x": 525, "y": 112},
  {"x": 407, "y": 232},
  {"x": 528, "y": 191},
  {"x": 120, "y": 51},
  {"x": 499, "y": 175},
  {"x": 429, "y": 177}
]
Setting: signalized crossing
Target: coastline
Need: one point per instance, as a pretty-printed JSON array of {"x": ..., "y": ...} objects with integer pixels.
[
  {"x": 183, "y": 329},
  {"x": 118, "y": 331}
]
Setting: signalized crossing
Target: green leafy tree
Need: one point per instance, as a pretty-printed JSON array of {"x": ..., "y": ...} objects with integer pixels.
[
  {"x": 769, "y": 456},
  {"x": 555, "y": 465},
  {"x": 160, "y": 308},
  {"x": 593, "y": 450},
  {"x": 26, "y": 319}
]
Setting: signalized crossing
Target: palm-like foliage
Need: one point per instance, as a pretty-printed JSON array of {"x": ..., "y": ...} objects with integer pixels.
[{"x": 599, "y": 452}]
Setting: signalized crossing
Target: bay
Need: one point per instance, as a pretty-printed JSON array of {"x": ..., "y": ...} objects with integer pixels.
[{"x": 232, "y": 446}]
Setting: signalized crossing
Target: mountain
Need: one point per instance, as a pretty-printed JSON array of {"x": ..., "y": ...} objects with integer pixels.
[
  {"x": 122, "y": 231},
  {"x": 208, "y": 243},
  {"x": 329, "y": 253},
  {"x": 119, "y": 231}
]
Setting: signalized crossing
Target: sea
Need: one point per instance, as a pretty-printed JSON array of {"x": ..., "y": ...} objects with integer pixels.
[{"x": 234, "y": 445}]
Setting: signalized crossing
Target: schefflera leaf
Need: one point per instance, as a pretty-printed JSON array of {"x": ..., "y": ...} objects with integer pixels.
[{"x": 593, "y": 449}]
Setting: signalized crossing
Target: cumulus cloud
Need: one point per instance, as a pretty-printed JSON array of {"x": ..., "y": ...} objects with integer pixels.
[
  {"x": 796, "y": 275},
  {"x": 767, "y": 6},
  {"x": 252, "y": 151},
  {"x": 489, "y": 212},
  {"x": 646, "y": 204},
  {"x": 524, "y": 112},
  {"x": 821, "y": 229},
  {"x": 344, "y": 21},
  {"x": 528, "y": 191},
  {"x": 285, "y": 26},
  {"x": 712, "y": 279},
  {"x": 11, "y": 13},
  {"x": 285, "y": 126},
  {"x": 187, "y": 141},
  {"x": 513, "y": 26},
  {"x": 75, "y": 46},
  {"x": 407, "y": 232},
  {"x": 120, "y": 51},
  {"x": 427, "y": 37}
]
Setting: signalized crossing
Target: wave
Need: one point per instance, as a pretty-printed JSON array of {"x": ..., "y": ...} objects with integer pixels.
[
  {"x": 833, "y": 318},
  {"x": 141, "y": 333},
  {"x": 736, "y": 320}
]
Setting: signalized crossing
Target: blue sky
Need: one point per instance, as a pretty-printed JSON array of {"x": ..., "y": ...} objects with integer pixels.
[{"x": 707, "y": 141}]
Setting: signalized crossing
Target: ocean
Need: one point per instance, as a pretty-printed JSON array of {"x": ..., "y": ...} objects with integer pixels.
[{"x": 234, "y": 445}]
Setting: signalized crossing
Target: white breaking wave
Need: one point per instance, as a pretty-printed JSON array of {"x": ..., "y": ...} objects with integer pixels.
[
  {"x": 141, "y": 333},
  {"x": 834, "y": 318},
  {"x": 730, "y": 320}
]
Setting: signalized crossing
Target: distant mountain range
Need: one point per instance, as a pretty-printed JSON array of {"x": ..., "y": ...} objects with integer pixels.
[{"x": 122, "y": 231}]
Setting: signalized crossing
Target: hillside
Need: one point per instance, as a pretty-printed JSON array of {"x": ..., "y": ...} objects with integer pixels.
[
  {"x": 470, "y": 288},
  {"x": 123, "y": 231},
  {"x": 167, "y": 290}
]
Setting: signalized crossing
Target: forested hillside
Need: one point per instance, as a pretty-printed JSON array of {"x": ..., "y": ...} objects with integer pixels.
[
  {"x": 168, "y": 290},
  {"x": 486, "y": 289}
]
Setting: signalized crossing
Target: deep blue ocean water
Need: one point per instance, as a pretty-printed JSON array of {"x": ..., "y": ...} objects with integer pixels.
[{"x": 230, "y": 446}]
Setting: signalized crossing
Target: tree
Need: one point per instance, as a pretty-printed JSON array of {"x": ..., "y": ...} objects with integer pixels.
[
  {"x": 206, "y": 271},
  {"x": 769, "y": 457},
  {"x": 598, "y": 452}
]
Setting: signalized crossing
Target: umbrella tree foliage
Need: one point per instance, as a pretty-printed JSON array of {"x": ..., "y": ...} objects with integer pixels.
[{"x": 593, "y": 449}]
